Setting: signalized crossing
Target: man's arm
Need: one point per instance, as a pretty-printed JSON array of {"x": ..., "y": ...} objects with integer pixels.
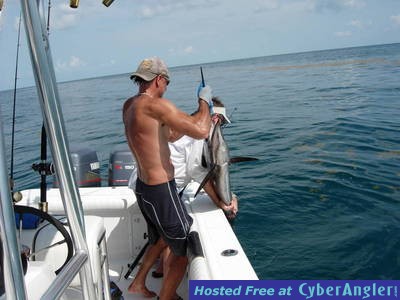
[
  {"x": 180, "y": 123},
  {"x": 175, "y": 135},
  {"x": 231, "y": 209}
]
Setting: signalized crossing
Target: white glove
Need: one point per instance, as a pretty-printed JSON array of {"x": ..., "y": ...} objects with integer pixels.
[{"x": 205, "y": 93}]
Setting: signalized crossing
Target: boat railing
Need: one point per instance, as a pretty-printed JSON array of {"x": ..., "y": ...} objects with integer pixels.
[{"x": 66, "y": 276}]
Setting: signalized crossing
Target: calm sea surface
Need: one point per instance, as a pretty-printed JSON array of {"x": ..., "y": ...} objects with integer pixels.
[{"x": 323, "y": 201}]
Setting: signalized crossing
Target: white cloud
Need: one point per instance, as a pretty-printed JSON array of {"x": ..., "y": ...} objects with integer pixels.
[
  {"x": 16, "y": 22},
  {"x": 62, "y": 16},
  {"x": 155, "y": 8},
  {"x": 343, "y": 33},
  {"x": 64, "y": 22},
  {"x": 181, "y": 51},
  {"x": 335, "y": 5},
  {"x": 266, "y": 5},
  {"x": 106, "y": 63},
  {"x": 73, "y": 63},
  {"x": 395, "y": 19},
  {"x": 353, "y": 3},
  {"x": 188, "y": 50},
  {"x": 357, "y": 23},
  {"x": 148, "y": 12}
]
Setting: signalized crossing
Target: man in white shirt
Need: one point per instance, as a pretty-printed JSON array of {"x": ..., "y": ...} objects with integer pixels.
[{"x": 186, "y": 157}]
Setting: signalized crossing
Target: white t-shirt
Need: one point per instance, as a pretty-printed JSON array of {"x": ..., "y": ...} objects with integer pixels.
[{"x": 186, "y": 156}]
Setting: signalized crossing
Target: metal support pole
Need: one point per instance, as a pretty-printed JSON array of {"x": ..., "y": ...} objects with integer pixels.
[
  {"x": 15, "y": 283},
  {"x": 49, "y": 100},
  {"x": 66, "y": 276}
]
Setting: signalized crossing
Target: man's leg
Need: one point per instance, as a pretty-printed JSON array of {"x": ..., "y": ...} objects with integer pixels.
[
  {"x": 166, "y": 253},
  {"x": 162, "y": 265},
  {"x": 176, "y": 268},
  {"x": 138, "y": 284}
]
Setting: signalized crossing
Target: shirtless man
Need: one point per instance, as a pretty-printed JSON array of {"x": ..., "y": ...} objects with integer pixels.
[{"x": 152, "y": 121}]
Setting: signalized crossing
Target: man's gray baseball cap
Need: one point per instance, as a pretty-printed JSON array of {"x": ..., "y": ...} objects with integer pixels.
[{"x": 150, "y": 68}]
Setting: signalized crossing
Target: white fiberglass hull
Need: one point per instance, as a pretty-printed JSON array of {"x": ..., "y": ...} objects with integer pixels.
[{"x": 115, "y": 214}]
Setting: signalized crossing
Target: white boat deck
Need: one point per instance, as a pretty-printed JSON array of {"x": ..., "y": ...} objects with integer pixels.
[
  {"x": 153, "y": 284},
  {"x": 115, "y": 213}
]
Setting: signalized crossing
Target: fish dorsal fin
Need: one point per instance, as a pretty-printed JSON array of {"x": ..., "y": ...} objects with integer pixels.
[
  {"x": 207, "y": 178},
  {"x": 238, "y": 159}
]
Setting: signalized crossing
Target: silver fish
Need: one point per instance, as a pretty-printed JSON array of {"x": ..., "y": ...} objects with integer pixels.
[
  {"x": 216, "y": 156},
  {"x": 216, "y": 159}
]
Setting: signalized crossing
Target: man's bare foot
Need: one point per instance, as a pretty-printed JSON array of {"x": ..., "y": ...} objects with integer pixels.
[{"x": 134, "y": 289}]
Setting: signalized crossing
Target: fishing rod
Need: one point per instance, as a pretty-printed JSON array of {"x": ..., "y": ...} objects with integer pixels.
[
  {"x": 203, "y": 83},
  {"x": 48, "y": 17},
  {"x": 14, "y": 105},
  {"x": 44, "y": 168}
]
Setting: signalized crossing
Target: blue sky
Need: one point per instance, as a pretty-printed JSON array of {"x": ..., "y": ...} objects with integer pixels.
[{"x": 95, "y": 41}]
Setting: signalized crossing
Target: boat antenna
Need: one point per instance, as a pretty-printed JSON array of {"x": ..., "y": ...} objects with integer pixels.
[{"x": 14, "y": 104}]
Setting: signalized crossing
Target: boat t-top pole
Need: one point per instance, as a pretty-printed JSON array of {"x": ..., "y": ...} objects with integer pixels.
[
  {"x": 14, "y": 282},
  {"x": 49, "y": 100}
]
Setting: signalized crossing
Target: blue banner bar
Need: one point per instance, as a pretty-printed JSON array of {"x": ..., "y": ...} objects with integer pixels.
[{"x": 295, "y": 289}]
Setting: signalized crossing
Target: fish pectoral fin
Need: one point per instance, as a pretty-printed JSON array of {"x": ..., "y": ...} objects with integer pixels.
[
  {"x": 207, "y": 178},
  {"x": 238, "y": 159}
]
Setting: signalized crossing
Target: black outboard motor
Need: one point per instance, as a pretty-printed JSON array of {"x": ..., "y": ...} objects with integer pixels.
[
  {"x": 86, "y": 166},
  {"x": 121, "y": 166}
]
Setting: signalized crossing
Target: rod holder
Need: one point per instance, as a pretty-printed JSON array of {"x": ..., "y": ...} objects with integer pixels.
[
  {"x": 108, "y": 2},
  {"x": 44, "y": 206},
  {"x": 74, "y": 3}
]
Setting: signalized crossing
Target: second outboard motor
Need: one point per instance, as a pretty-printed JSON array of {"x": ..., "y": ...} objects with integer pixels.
[
  {"x": 86, "y": 167},
  {"x": 121, "y": 166}
]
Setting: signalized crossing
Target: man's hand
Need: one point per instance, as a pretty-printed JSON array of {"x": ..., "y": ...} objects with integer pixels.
[
  {"x": 205, "y": 93},
  {"x": 232, "y": 209}
]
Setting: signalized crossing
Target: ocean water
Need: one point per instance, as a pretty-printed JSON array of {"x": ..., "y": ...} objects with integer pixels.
[{"x": 322, "y": 201}]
